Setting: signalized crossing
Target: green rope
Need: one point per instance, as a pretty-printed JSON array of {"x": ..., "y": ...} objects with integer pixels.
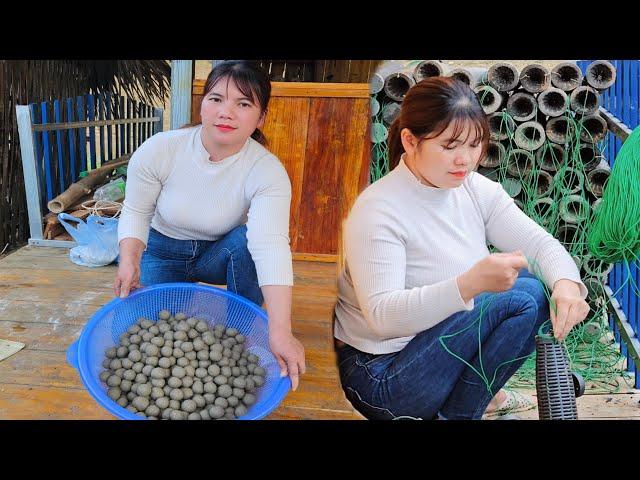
[{"x": 615, "y": 234}]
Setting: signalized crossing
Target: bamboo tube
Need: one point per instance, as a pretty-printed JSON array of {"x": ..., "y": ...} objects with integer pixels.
[
  {"x": 593, "y": 128},
  {"x": 519, "y": 162},
  {"x": 490, "y": 99},
  {"x": 522, "y": 106},
  {"x": 501, "y": 126},
  {"x": 85, "y": 185},
  {"x": 597, "y": 178},
  {"x": 495, "y": 155},
  {"x": 550, "y": 156},
  {"x": 503, "y": 77},
  {"x": 557, "y": 130},
  {"x": 529, "y": 136},
  {"x": 600, "y": 74},
  {"x": 566, "y": 76},
  {"x": 574, "y": 209},
  {"x": 553, "y": 102},
  {"x": 429, "y": 68},
  {"x": 396, "y": 85},
  {"x": 585, "y": 100},
  {"x": 535, "y": 78}
]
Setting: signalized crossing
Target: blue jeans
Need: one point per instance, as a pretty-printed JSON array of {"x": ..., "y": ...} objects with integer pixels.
[
  {"x": 424, "y": 381},
  {"x": 226, "y": 261}
]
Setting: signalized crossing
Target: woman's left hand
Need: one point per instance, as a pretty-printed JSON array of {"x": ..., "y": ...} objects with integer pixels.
[
  {"x": 289, "y": 353},
  {"x": 570, "y": 308}
]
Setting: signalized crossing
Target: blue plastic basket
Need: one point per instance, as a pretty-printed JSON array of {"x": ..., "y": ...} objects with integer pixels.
[{"x": 210, "y": 304}]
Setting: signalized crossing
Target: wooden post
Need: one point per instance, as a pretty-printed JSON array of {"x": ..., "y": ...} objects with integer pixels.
[{"x": 181, "y": 79}]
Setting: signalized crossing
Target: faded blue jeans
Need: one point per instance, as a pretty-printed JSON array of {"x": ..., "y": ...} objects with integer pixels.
[
  {"x": 424, "y": 381},
  {"x": 226, "y": 261}
]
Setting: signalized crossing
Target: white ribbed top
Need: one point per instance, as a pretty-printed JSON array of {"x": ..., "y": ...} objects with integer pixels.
[
  {"x": 405, "y": 243},
  {"x": 172, "y": 186}
]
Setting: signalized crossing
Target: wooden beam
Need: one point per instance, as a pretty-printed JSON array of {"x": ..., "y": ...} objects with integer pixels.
[
  {"x": 306, "y": 89},
  {"x": 615, "y": 125},
  {"x": 626, "y": 329},
  {"x": 95, "y": 123}
]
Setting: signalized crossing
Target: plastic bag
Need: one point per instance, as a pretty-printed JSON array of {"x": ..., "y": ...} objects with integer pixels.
[
  {"x": 114, "y": 191},
  {"x": 97, "y": 239}
]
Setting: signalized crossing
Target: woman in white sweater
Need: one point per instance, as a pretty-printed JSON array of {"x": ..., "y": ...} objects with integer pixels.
[
  {"x": 210, "y": 203},
  {"x": 418, "y": 273}
]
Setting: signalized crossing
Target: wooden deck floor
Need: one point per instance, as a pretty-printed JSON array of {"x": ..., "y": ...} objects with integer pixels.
[{"x": 45, "y": 300}]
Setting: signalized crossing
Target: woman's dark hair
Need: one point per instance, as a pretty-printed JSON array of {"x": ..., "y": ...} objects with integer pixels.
[
  {"x": 428, "y": 109},
  {"x": 252, "y": 81}
]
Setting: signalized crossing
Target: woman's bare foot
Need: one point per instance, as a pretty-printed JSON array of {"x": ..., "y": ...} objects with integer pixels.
[{"x": 495, "y": 401}]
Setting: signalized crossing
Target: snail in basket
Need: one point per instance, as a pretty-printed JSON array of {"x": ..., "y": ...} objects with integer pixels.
[{"x": 179, "y": 368}]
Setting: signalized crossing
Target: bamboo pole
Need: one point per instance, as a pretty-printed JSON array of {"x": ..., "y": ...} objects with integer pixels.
[{"x": 84, "y": 186}]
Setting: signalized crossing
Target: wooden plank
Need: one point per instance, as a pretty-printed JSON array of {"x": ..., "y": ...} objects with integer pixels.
[
  {"x": 318, "y": 392},
  {"x": 92, "y": 123},
  {"x": 57, "y": 294},
  {"x": 615, "y": 125},
  {"x": 39, "y": 335},
  {"x": 135, "y": 128},
  {"x": 71, "y": 142},
  {"x": 305, "y": 89},
  {"x": 128, "y": 125},
  {"x": 332, "y": 171},
  {"x": 82, "y": 133},
  {"x": 39, "y": 368},
  {"x": 123, "y": 139},
  {"x": 319, "y": 387},
  {"x": 143, "y": 126},
  {"x": 284, "y": 412},
  {"x": 59, "y": 149},
  {"x": 196, "y": 102},
  {"x": 49, "y": 367},
  {"x": 38, "y": 383},
  {"x": 629, "y": 336},
  {"x": 51, "y": 263},
  {"x": 38, "y": 151},
  {"x": 38, "y": 251},
  {"x": 91, "y": 116},
  {"x": 286, "y": 130},
  {"x": 27, "y": 278},
  {"x": 53, "y": 312},
  {"x": 57, "y": 336},
  {"x": 107, "y": 115},
  {"x": 20, "y": 402},
  {"x": 100, "y": 116},
  {"x": 312, "y": 312},
  {"x": 46, "y": 150},
  {"x": 314, "y": 257}
]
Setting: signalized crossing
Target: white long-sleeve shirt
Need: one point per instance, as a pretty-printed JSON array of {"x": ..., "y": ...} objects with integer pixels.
[
  {"x": 405, "y": 243},
  {"x": 172, "y": 186}
]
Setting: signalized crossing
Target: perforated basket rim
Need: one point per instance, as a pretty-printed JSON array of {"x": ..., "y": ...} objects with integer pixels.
[{"x": 282, "y": 387}]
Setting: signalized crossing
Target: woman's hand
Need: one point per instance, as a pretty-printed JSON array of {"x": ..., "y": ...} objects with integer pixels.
[
  {"x": 289, "y": 353},
  {"x": 128, "y": 276},
  {"x": 570, "y": 308},
  {"x": 494, "y": 273},
  {"x": 127, "y": 279}
]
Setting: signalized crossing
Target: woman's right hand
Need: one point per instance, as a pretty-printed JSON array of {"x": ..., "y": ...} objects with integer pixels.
[
  {"x": 127, "y": 279},
  {"x": 128, "y": 276},
  {"x": 494, "y": 273}
]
